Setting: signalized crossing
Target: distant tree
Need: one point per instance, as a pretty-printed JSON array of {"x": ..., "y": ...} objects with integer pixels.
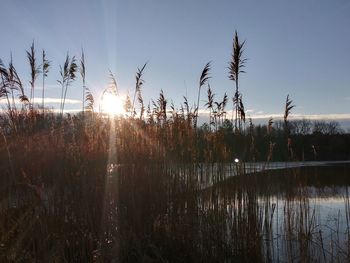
[
  {"x": 319, "y": 127},
  {"x": 205, "y": 128},
  {"x": 227, "y": 125},
  {"x": 327, "y": 128},
  {"x": 334, "y": 128},
  {"x": 278, "y": 126},
  {"x": 300, "y": 127}
]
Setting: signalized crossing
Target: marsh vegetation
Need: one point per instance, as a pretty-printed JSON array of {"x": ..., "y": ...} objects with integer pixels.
[{"x": 154, "y": 186}]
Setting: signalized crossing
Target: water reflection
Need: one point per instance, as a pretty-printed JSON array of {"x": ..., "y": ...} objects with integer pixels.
[{"x": 302, "y": 214}]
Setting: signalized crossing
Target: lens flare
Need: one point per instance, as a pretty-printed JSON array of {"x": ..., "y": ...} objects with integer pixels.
[{"x": 112, "y": 105}]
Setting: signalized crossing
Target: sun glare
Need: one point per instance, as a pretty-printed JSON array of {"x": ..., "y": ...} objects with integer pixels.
[{"x": 112, "y": 105}]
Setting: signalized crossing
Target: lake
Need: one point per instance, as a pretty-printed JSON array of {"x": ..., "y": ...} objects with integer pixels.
[{"x": 299, "y": 211}]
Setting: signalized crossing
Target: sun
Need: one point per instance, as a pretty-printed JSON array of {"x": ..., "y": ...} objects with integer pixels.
[{"x": 112, "y": 105}]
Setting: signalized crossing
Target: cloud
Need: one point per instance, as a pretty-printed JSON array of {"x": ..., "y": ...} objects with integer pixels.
[
  {"x": 340, "y": 116},
  {"x": 261, "y": 118},
  {"x": 67, "y": 110},
  {"x": 203, "y": 112},
  {"x": 262, "y": 115},
  {"x": 57, "y": 100},
  {"x": 47, "y": 101},
  {"x": 2, "y": 110}
]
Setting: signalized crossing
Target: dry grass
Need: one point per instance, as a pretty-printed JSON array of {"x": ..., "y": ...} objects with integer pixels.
[{"x": 151, "y": 187}]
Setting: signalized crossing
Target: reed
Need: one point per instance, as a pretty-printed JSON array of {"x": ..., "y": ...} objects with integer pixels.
[
  {"x": 202, "y": 81},
  {"x": 287, "y": 111},
  {"x": 82, "y": 71},
  {"x": 45, "y": 71},
  {"x": 154, "y": 187},
  {"x": 35, "y": 70},
  {"x": 236, "y": 66},
  {"x": 139, "y": 83},
  {"x": 68, "y": 74}
]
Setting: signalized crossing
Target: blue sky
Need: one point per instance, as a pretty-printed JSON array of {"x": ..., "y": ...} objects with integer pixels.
[{"x": 300, "y": 48}]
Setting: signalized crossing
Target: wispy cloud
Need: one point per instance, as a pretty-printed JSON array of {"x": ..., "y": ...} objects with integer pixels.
[
  {"x": 56, "y": 110},
  {"x": 57, "y": 100},
  {"x": 67, "y": 110},
  {"x": 339, "y": 116},
  {"x": 262, "y": 115},
  {"x": 47, "y": 101}
]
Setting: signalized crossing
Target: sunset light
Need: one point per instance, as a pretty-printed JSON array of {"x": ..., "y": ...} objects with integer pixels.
[
  {"x": 174, "y": 131},
  {"x": 112, "y": 104}
]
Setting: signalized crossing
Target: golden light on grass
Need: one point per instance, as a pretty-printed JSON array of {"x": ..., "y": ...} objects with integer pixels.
[{"x": 112, "y": 104}]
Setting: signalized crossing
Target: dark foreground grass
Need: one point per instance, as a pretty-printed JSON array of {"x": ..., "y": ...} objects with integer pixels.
[
  {"x": 86, "y": 188},
  {"x": 151, "y": 187},
  {"x": 92, "y": 189}
]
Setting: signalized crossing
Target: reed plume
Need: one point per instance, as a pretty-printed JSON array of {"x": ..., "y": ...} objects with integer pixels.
[
  {"x": 235, "y": 69},
  {"x": 139, "y": 83},
  {"x": 34, "y": 72},
  {"x": 45, "y": 70},
  {"x": 68, "y": 74},
  {"x": 90, "y": 101},
  {"x": 83, "y": 74},
  {"x": 287, "y": 111},
  {"x": 202, "y": 81},
  {"x": 210, "y": 104}
]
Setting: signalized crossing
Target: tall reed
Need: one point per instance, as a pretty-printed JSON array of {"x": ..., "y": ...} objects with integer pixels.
[
  {"x": 151, "y": 189},
  {"x": 202, "y": 81},
  {"x": 236, "y": 66},
  {"x": 35, "y": 70},
  {"x": 45, "y": 71},
  {"x": 68, "y": 74}
]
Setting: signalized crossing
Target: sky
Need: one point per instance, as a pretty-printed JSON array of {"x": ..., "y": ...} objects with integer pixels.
[{"x": 300, "y": 48}]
